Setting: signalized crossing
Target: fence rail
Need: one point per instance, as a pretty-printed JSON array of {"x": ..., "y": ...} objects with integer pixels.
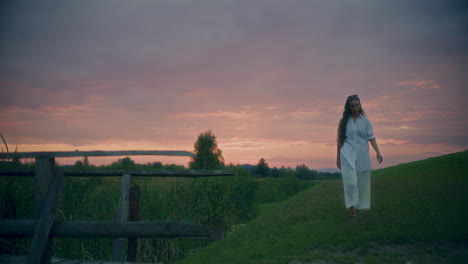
[
  {"x": 48, "y": 182},
  {"x": 112, "y": 229},
  {"x": 98, "y": 153},
  {"x": 113, "y": 173}
]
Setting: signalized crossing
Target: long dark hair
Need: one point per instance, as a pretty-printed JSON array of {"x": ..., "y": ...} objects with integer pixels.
[{"x": 344, "y": 120}]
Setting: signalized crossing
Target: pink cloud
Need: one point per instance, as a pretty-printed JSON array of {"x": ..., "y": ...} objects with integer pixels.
[
  {"x": 390, "y": 141},
  {"x": 241, "y": 115},
  {"x": 270, "y": 79},
  {"x": 420, "y": 84},
  {"x": 417, "y": 82}
]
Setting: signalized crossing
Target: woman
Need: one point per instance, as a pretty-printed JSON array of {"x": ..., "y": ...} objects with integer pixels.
[{"x": 354, "y": 133}]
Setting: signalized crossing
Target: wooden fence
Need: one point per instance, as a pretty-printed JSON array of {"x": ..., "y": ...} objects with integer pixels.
[{"x": 48, "y": 184}]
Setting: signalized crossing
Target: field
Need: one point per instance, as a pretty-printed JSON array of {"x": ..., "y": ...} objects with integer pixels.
[
  {"x": 419, "y": 214},
  {"x": 222, "y": 202}
]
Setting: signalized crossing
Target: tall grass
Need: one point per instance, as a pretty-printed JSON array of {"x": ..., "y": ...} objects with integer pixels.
[
  {"x": 4, "y": 142},
  {"x": 217, "y": 202},
  {"x": 222, "y": 202},
  {"x": 274, "y": 190}
]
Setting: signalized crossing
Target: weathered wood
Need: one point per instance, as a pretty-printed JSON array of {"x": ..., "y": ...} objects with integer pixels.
[
  {"x": 39, "y": 245},
  {"x": 55, "y": 260},
  {"x": 43, "y": 175},
  {"x": 135, "y": 194},
  {"x": 15, "y": 172},
  {"x": 99, "y": 153},
  {"x": 110, "y": 229},
  {"x": 13, "y": 259},
  {"x": 134, "y": 173},
  {"x": 149, "y": 173},
  {"x": 123, "y": 211}
]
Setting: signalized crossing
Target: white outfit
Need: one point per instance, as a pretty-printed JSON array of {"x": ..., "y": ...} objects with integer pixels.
[
  {"x": 356, "y": 187},
  {"x": 355, "y": 149},
  {"x": 355, "y": 162}
]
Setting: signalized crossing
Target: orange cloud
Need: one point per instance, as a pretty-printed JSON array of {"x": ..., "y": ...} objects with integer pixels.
[
  {"x": 420, "y": 84},
  {"x": 242, "y": 115},
  {"x": 390, "y": 141}
]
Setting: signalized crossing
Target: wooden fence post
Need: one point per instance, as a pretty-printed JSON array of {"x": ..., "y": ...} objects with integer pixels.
[
  {"x": 8, "y": 211},
  {"x": 43, "y": 174},
  {"x": 135, "y": 194},
  {"x": 123, "y": 210},
  {"x": 39, "y": 251}
]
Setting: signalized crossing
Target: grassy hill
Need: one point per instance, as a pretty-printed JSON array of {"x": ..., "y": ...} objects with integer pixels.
[{"x": 419, "y": 214}]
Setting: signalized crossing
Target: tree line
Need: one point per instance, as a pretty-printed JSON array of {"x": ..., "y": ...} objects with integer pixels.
[{"x": 206, "y": 156}]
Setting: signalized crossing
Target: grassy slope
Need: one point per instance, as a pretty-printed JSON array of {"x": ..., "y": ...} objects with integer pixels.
[{"x": 422, "y": 201}]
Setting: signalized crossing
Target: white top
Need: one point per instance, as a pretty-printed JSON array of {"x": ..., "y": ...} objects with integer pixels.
[{"x": 355, "y": 149}]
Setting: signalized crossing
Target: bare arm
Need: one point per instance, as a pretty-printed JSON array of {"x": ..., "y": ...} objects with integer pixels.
[
  {"x": 377, "y": 151},
  {"x": 338, "y": 159}
]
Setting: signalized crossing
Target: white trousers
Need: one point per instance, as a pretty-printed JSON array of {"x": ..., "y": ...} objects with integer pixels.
[{"x": 356, "y": 186}]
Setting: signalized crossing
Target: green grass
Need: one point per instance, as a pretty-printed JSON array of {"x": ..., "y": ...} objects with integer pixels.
[
  {"x": 223, "y": 202},
  {"x": 415, "y": 207},
  {"x": 418, "y": 208},
  {"x": 273, "y": 190}
]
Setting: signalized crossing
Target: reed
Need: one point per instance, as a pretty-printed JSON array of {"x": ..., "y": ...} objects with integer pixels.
[
  {"x": 222, "y": 202},
  {"x": 4, "y": 142}
]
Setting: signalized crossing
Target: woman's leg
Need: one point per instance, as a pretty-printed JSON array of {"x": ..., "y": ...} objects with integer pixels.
[
  {"x": 352, "y": 211},
  {"x": 363, "y": 182},
  {"x": 350, "y": 186}
]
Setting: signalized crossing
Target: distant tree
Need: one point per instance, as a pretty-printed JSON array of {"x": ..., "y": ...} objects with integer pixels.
[
  {"x": 262, "y": 168},
  {"x": 125, "y": 163},
  {"x": 173, "y": 167},
  {"x": 303, "y": 172},
  {"x": 328, "y": 175},
  {"x": 79, "y": 164},
  {"x": 82, "y": 164},
  {"x": 86, "y": 161},
  {"x": 275, "y": 172},
  {"x": 283, "y": 171},
  {"x": 207, "y": 155},
  {"x": 157, "y": 165}
]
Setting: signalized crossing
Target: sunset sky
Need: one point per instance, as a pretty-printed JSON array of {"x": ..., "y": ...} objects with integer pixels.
[{"x": 268, "y": 77}]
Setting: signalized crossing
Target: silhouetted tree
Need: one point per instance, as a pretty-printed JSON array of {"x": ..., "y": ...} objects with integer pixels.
[
  {"x": 275, "y": 172},
  {"x": 157, "y": 165},
  {"x": 82, "y": 164},
  {"x": 207, "y": 155},
  {"x": 303, "y": 172},
  {"x": 262, "y": 168},
  {"x": 283, "y": 171},
  {"x": 79, "y": 164},
  {"x": 125, "y": 163}
]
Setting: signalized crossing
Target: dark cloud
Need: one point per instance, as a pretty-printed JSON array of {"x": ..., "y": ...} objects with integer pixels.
[{"x": 144, "y": 63}]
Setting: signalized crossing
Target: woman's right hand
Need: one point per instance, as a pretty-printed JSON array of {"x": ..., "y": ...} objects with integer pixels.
[{"x": 338, "y": 163}]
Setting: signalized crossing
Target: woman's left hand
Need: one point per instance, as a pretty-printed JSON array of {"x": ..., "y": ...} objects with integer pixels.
[{"x": 379, "y": 157}]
